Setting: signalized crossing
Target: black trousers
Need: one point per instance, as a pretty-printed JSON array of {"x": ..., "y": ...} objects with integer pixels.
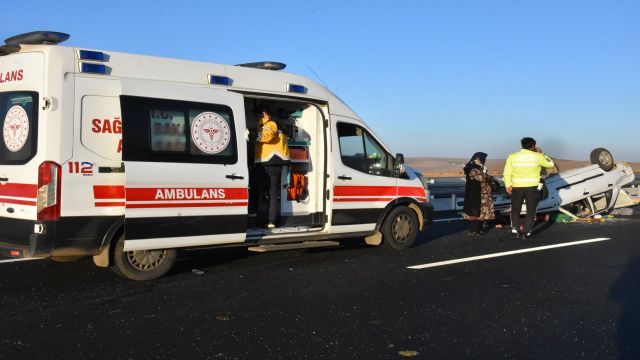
[
  {"x": 272, "y": 182},
  {"x": 475, "y": 226},
  {"x": 532, "y": 196},
  {"x": 265, "y": 180}
]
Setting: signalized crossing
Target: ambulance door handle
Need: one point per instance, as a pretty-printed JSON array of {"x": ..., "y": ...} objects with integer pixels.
[
  {"x": 344, "y": 177},
  {"x": 234, "y": 177},
  {"x": 4, "y": 179}
]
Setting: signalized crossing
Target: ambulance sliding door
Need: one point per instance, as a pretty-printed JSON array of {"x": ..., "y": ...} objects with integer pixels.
[{"x": 185, "y": 165}]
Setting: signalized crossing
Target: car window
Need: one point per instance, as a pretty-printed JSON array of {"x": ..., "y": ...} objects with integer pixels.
[{"x": 360, "y": 151}]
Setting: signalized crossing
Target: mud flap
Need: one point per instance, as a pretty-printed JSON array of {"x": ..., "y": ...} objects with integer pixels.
[{"x": 375, "y": 239}]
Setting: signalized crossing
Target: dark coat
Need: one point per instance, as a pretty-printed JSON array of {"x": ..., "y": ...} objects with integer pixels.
[
  {"x": 478, "y": 198},
  {"x": 472, "y": 191}
]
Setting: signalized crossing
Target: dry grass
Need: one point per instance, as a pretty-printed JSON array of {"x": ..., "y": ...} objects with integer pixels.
[{"x": 443, "y": 167}]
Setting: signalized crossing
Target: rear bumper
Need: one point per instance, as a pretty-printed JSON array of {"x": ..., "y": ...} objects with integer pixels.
[
  {"x": 68, "y": 236},
  {"x": 19, "y": 239}
]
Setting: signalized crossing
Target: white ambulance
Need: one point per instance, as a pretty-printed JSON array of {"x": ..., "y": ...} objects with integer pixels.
[{"x": 129, "y": 158}]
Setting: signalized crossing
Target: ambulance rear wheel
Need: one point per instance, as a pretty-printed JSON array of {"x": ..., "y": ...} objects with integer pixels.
[
  {"x": 142, "y": 265},
  {"x": 400, "y": 228}
]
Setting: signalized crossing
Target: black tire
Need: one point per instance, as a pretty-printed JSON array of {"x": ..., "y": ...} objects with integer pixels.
[
  {"x": 141, "y": 265},
  {"x": 400, "y": 228},
  {"x": 603, "y": 158}
]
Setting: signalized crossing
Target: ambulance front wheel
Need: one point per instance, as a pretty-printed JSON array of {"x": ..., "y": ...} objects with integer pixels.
[
  {"x": 400, "y": 228},
  {"x": 142, "y": 265}
]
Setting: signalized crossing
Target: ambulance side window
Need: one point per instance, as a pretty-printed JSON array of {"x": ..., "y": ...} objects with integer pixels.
[
  {"x": 360, "y": 151},
  {"x": 177, "y": 131}
]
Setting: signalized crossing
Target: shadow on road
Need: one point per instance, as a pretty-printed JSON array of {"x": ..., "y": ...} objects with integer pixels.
[
  {"x": 626, "y": 291},
  {"x": 207, "y": 258}
]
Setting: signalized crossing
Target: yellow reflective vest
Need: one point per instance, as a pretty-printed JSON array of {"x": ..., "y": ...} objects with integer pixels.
[
  {"x": 523, "y": 168},
  {"x": 271, "y": 145}
]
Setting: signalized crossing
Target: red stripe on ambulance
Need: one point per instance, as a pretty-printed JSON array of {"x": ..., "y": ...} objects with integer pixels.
[
  {"x": 19, "y": 190},
  {"x": 355, "y": 199},
  {"x": 376, "y": 193},
  {"x": 108, "y": 192},
  {"x": 176, "y": 205},
  {"x": 364, "y": 191},
  {"x": 104, "y": 193},
  {"x": 197, "y": 194},
  {"x": 18, "y": 202},
  {"x": 411, "y": 191}
]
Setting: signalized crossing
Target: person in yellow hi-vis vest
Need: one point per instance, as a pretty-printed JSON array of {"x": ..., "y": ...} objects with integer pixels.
[
  {"x": 271, "y": 155},
  {"x": 522, "y": 180}
]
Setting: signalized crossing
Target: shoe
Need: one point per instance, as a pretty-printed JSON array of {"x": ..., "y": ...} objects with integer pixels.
[
  {"x": 528, "y": 236},
  {"x": 519, "y": 235},
  {"x": 271, "y": 225}
]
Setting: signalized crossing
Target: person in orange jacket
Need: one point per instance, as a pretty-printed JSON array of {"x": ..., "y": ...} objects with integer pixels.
[{"x": 271, "y": 155}]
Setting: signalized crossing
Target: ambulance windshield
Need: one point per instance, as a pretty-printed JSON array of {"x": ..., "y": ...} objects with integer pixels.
[{"x": 18, "y": 119}]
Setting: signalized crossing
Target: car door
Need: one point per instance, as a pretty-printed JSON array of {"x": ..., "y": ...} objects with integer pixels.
[
  {"x": 185, "y": 163},
  {"x": 363, "y": 178}
]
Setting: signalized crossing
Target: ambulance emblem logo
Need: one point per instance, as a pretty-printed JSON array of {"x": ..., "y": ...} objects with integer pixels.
[
  {"x": 16, "y": 128},
  {"x": 210, "y": 132}
]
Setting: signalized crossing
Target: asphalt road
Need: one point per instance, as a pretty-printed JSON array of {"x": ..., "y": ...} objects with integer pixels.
[{"x": 351, "y": 302}]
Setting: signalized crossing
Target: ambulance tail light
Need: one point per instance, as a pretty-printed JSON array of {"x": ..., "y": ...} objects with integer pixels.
[{"x": 49, "y": 184}]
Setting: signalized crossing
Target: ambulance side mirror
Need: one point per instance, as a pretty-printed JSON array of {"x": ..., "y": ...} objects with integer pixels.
[{"x": 399, "y": 164}]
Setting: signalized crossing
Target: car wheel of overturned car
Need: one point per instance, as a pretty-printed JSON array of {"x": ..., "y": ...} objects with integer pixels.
[
  {"x": 400, "y": 228},
  {"x": 142, "y": 264},
  {"x": 603, "y": 158}
]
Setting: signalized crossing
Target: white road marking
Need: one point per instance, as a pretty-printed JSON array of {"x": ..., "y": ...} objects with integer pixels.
[
  {"x": 506, "y": 253},
  {"x": 450, "y": 219},
  {"x": 18, "y": 260}
]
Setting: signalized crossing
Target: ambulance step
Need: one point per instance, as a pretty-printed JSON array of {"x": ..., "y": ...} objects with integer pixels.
[{"x": 302, "y": 245}]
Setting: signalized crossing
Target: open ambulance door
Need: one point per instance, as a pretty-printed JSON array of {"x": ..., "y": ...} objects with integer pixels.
[{"x": 185, "y": 164}]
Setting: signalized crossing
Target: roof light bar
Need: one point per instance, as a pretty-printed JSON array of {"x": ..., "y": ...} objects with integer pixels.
[
  {"x": 296, "y": 88},
  {"x": 220, "y": 80},
  {"x": 37, "y": 38},
  {"x": 91, "y": 55},
  {"x": 265, "y": 65},
  {"x": 9, "y": 49},
  {"x": 93, "y": 68}
]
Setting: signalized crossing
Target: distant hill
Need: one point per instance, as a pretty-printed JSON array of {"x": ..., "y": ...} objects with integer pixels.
[{"x": 446, "y": 167}]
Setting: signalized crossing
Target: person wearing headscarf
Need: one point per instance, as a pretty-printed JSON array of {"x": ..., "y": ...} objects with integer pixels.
[{"x": 478, "y": 197}]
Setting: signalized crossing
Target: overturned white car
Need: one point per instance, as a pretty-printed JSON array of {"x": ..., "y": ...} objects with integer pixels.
[{"x": 582, "y": 192}]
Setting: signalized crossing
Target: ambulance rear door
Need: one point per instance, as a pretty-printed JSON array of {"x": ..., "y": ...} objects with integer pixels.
[
  {"x": 21, "y": 90},
  {"x": 185, "y": 164}
]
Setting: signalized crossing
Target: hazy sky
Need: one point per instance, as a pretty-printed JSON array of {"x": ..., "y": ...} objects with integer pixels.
[{"x": 433, "y": 78}]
